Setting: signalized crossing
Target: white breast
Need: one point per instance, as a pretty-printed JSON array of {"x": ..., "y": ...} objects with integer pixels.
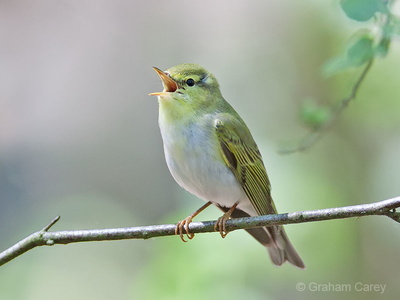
[{"x": 193, "y": 159}]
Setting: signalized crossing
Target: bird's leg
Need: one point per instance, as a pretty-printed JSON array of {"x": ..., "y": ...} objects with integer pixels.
[
  {"x": 184, "y": 224},
  {"x": 221, "y": 222}
]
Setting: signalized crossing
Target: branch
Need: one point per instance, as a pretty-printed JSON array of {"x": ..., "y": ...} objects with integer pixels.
[
  {"x": 46, "y": 238},
  {"x": 311, "y": 138}
]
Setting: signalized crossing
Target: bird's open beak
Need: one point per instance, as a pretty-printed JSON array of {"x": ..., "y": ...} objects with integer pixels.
[{"x": 169, "y": 84}]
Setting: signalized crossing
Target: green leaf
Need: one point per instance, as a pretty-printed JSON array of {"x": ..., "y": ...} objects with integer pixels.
[
  {"x": 394, "y": 27},
  {"x": 363, "y": 10},
  {"x": 314, "y": 115},
  {"x": 334, "y": 65},
  {"x": 382, "y": 48},
  {"x": 390, "y": 29},
  {"x": 358, "y": 53},
  {"x": 361, "y": 51}
]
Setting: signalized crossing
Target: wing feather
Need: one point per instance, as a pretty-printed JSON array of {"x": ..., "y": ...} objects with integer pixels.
[{"x": 242, "y": 156}]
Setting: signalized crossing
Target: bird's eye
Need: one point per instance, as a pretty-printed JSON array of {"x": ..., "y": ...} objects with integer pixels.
[{"x": 190, "y": 82}]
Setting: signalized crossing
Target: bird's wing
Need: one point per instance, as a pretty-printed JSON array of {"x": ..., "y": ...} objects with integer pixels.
[{"x": 243, "y": 158}]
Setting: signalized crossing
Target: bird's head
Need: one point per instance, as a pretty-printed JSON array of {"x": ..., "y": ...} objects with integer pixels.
[{"x": 188, "y": 88}]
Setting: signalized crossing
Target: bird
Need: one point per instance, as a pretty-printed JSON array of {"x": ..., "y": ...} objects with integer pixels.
[{"x": 211, "y": 153}]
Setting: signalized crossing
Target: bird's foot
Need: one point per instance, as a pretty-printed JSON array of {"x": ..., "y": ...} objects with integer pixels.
[
  {"x": 184, "y": 226},
  {"x": 220, "y": 225}
]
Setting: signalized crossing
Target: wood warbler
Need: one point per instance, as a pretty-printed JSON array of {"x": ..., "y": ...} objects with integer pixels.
[{"x": 211, "y": 153}]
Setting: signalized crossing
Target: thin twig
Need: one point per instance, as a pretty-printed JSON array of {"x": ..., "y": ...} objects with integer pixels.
[
  {"x": 44, "y": 237},
  {"x": 48, "y": 226},
  {"x": 311, "y": 138}
]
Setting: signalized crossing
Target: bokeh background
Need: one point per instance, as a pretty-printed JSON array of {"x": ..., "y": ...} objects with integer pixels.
[{"x": 79, "y": 138}]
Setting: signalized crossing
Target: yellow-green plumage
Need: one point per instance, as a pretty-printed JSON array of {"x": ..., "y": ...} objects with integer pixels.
[{"x": 212, "y": 154}]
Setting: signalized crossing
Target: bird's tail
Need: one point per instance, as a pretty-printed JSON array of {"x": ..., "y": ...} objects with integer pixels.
[
  {"x": 283, "y": 249},
  {"x": 280, "y": 249},
  {"x": 275, "y": 239}
]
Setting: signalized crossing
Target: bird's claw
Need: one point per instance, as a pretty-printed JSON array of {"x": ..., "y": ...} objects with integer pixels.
[
  {"x": 220, "y": 226},
  {"x": 183, "y": 226}
]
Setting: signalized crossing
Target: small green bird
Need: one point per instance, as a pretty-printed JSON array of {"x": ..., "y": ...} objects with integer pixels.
[{"x": 211, "y": 153}]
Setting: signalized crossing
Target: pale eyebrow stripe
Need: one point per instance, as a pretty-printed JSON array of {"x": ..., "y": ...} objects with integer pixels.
[{"x": 204, "y": 78}]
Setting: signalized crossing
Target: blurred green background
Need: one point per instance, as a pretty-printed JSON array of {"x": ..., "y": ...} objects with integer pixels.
[{"x": 79, "y": 138}]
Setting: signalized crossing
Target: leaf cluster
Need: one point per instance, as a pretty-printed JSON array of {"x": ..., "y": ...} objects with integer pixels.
[{"x": 364, "y": 46}]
